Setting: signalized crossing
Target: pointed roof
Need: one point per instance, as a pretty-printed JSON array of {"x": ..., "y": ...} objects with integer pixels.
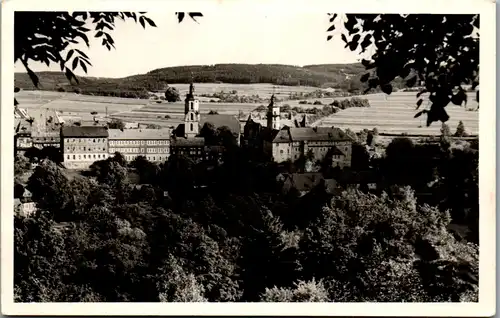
[{"x": 303, "y": 123}]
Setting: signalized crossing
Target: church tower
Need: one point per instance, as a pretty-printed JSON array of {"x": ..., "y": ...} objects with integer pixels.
[
  {"x": 273, "y": 115},
  {"x": 192, "y": 114}
]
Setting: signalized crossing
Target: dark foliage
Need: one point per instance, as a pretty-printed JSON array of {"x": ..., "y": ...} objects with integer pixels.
[{"x": 442, "y": 51}]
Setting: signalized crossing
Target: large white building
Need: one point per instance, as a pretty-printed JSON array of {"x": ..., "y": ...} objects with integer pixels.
[
  {"x": 154, "y": 144},
  {"x": 81, "y": 146}
]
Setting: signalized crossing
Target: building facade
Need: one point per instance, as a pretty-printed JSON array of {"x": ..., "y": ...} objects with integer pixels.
[
  {"x": 291, "y": 143},
  {"x": 154, "y": 144},
  {"x": 22, "y": 136},
  {"x": 82, "y": 145},
  {"x": 315, "y": 143}
]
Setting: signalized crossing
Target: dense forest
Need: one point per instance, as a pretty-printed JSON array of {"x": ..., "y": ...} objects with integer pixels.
[
  {"x": 341, "y": 76},
  {"x": 138, "y": 231}
]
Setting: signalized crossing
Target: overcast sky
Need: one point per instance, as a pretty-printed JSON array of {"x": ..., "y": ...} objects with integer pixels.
[{"x": 292, "y": 38}]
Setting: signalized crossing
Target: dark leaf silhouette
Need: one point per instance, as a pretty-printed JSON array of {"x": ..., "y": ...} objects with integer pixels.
[
  {"x": 387, "y": 88},
  {"x": 75, "y": 63},
  {"x": 344, "y": 38},
  {"x": 365, "y": 77},
  {"x": 180, "y": 16},
  {"x": 331, "y": 28},
  {"x": 409, "y": 45},
  {"x": 33, "y": 77},
  {"x": 419, "y": 103},
  {"x": 328, "y": 38},
  {"x": 420, "y": 113},
  {"x": 82, "y": 53},
  {"x": 423, "y": 91},
  {"x": 70, "y": 54},
  {"x": 84, "y": 67},
  {"x": 411, "y": 81},
  {"x": 193, "y": 15},
  {"x": 150, "y": 22}
]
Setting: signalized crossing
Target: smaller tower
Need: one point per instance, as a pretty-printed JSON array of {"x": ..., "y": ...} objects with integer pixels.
[
  {"x": 191, "y": 114},
  {"x": 273, "y": 115}
]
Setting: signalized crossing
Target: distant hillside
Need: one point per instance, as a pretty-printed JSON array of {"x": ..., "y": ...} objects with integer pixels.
[{"x": 341, "y": 76}]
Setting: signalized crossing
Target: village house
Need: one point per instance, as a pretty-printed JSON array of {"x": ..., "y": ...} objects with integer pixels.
[
  {"x": 46, "y": 126},
  {"x": 153, "y": 144},
  {"x": 24, "y": 205},
  {"x": 22, "y": 136},
  {"x": 82, "y": 145}
]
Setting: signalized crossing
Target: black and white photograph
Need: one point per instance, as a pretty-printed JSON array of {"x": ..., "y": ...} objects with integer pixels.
[{"x": 239, "y": 153}]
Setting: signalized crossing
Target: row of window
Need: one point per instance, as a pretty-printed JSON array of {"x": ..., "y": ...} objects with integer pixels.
[
  {"x": 86, "y": 157},
  {"x": 127, "y": 150},
  {"x": 85, "y": 148},
  {"x": 150, "y": 158},
  {"x": 85, "y": 140},
  {"x": 139, "y": 142},
  {"x": 190, "y": 151},
  {"x": 158, "y": 150}
]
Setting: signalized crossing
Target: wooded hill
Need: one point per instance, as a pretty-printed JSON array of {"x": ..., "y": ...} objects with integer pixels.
[{"x": 341, "y": 76}]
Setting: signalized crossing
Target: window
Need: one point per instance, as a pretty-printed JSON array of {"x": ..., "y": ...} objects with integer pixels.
[
  {"x": 281, "y": 151},
  {"x": 94, "y": 140},
  {"x": 94, "y": 156},
  {"x": 79, "y": 156},
  {"x": 84, "y": 148},
  {"x": 192, "y": 117},
  {"x": 154, "y": 158},
  {"x": 103, "y": 149},
  {"x": 192, "y": 126},
  {"x": 84, "y": 157},
  {"x": 67, "y": 157}
]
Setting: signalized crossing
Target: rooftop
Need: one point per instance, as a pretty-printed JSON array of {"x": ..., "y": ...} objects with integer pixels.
[
  {"x": 85, "y": 131},
  {"x": 222, "y": 120},
  {"x": 139, "y": 134},
  {"x": 318, "y": 134},
  {"x": 187, "y": 142},
  {"x": 337, "y": 152}
]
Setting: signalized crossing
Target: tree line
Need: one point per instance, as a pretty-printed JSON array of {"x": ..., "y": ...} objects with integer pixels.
[{"x": 181, "y": 231}]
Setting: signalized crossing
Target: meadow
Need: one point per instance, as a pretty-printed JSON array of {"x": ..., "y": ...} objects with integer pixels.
[
  {"x": 395, "y": 114},
  {"x": 390, "y": 114}
]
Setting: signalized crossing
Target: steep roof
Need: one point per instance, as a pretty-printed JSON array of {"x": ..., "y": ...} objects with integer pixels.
[
  {"x": 283, "y": 135},
  {"x": 222, "y": 120},
  {"x": 337, "y": 152},
  {"x": 85, "y": 131},
  {"x": 140, "y": 134},
  {"x": 268, "y": 134},
  {"x": 187, "y": 142},
  {"x": 318, "y": 134}
]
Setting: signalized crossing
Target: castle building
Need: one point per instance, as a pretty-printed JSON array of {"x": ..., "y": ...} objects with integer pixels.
[
  {"x": 291, "y": 143},
  {"x": 154, "y": 144},
  {"x": 82, "y": 146}
]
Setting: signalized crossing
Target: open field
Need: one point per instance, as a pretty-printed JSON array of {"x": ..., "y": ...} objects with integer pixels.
[
  {"x": 390, "y": 114},
  {"x": 394, "y": 114},
  {"x": 262, "y": 89}
]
